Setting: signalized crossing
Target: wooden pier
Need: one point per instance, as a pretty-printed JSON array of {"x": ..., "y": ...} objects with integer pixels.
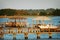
[{"x": 26, "y": 31}]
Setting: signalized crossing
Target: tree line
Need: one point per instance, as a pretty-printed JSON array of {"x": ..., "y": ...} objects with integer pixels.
[{"x": 30, "y": 12}]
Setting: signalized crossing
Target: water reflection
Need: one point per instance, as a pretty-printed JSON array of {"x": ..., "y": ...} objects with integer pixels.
[
  {"x": 32, "y": 36},
  {"x": 31, "y": 39},
  {"x": 44, "y": 36},
  {"x": 8, "y": 36},
  {"x": 20, "y": 36}
]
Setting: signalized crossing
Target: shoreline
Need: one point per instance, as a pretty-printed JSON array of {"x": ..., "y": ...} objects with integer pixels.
[
  {"x": 20, "y": 16},
  {"x": 16, "y": 16}
]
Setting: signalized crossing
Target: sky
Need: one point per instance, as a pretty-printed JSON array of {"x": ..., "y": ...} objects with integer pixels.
[{"x": 29, "y": 4}]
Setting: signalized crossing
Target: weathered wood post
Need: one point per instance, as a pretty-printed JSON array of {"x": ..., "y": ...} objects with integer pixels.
[
  {"x": 38, "y": 35},
  {"x": 50, "y": 35},
  {"x": 14, "y": 36},
  {"x": 26, "y": 35}
]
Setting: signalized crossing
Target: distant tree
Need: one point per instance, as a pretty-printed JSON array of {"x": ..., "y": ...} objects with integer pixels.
[
  {"x": 57, "y": 12},
  {"x": 42, "y": 12},
  {"x": 8, "y": 12},
  {"x": 30, "y": 12},
  {"x": 50, "y": 11},
  {"x": 21, "y": 12}
]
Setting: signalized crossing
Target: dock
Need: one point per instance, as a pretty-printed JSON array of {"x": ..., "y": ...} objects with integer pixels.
[{"x": 26, "y": 31}]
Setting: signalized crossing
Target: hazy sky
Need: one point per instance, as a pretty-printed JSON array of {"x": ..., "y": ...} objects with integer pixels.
[{"x": 29, "y": 4}]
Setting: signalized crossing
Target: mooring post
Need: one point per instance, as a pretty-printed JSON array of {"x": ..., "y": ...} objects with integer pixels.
[
  {"x": 14, "y": 36},
  {"x": 26, "y": 35},
  {"x": 50, "y": 35},
  {"x": 38, "y": 35}
]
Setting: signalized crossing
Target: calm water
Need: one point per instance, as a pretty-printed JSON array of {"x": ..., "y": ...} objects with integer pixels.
[
  {"x": 30, "y": 39},
  {"x": 54, "y": 20}
]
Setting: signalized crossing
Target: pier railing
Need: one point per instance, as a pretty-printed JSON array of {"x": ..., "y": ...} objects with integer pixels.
[{"x": 26, "y": 31}]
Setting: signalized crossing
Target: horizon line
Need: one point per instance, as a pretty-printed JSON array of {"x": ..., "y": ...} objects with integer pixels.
[{"x": 29, "y": 8}]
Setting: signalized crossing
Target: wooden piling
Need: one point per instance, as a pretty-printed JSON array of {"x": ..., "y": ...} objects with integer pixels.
[{"x": 26, "y": 35}]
